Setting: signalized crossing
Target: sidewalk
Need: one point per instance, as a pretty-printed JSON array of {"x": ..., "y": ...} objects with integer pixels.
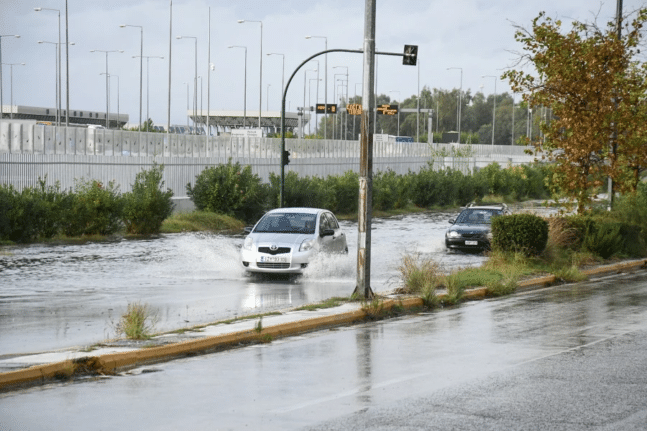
[{"x": 112, "y": 357}]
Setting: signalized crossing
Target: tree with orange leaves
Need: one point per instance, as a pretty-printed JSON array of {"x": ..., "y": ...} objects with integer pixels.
[{"x": 596, "y": 90}]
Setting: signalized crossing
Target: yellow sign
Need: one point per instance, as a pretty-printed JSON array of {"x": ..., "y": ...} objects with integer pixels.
[
  {"x": 354, "y": 109},
  {"x": 387, "y": 109}
]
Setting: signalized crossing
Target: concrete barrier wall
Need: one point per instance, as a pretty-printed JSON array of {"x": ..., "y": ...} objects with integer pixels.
[{"x": 59, "y": 154}]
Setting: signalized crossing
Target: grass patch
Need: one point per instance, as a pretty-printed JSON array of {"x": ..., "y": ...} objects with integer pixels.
[
  {"x": 138, "y": 322},
  {"x": 198, "y": 221},
  {"x": 251, "y": 316},
  {"x": 328, "y": 303}
]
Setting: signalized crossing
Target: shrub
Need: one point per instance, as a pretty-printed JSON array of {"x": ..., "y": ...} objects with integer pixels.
[
  {"x": 344, "y": 193},
  {"x": 390, "y": 190},
  {"x": 300, "y": 192},
  {"x": 605, "y": 236},
  {"x": 147, "y": 206},
  {"x": 525, "y": 233},
  {"x": 229, "y": 189},
  {"x": 93, "y": 209}
]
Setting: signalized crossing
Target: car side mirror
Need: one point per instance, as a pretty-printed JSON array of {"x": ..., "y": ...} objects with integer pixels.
[
  {"x": 326, "y": 232},
  {"x": 452, "y": 221},
  {"x": 248, "y": 229}
]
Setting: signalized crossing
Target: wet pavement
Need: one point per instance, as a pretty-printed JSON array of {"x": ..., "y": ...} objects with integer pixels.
[
  {"x": 566, "y": 357},
  {"x": 55, "y": 296}
]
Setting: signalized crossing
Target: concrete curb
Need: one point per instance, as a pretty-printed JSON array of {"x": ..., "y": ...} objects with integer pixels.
[{"x": 111, "y": 363}]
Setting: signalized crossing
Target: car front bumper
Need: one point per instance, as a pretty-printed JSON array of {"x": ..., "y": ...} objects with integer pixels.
[{"x": 255, "y": 261}]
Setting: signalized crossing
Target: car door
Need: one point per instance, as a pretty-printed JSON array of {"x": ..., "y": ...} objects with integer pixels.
[{"x": 338, "y": 244}]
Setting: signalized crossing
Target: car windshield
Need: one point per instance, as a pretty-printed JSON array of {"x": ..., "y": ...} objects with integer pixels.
[
  {"x": 477, "y": 216},
  {"x": 287, "y": 223}
]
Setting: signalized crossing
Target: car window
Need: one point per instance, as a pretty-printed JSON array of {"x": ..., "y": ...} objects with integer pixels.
[
  {"x": 287, "y": 223},
  {"x": 332, "y": 221},
  {"x": 324, "y": 223},
  {"x": 477, "y": 216}
]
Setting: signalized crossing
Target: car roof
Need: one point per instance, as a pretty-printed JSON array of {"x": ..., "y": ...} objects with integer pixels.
[
  {"x": 501, "y": 207},
  {"x": 305, "y": 210}
]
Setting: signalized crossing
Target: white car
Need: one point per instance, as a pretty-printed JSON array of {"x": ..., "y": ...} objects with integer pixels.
[{"x": 285, "y": 239}]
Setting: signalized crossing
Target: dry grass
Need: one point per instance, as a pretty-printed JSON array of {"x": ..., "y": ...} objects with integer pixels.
[{"x": 138, "y": 322}]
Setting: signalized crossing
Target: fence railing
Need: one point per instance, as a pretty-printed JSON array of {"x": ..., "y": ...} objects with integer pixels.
[{"x": 29, "y": 152}]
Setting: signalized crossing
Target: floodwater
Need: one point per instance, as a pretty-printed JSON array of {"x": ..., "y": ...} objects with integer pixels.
[{"x": 55, "y": 296}]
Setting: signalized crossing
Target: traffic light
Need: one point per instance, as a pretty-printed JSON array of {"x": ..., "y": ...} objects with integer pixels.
[
  {"x": 410, "y": 57},
  {"x": 285, "y": 160}
]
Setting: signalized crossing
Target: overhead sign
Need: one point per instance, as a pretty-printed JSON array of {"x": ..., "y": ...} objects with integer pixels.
[
  {"x": 321, "y": 108},
  {"x": 387, "y": 109},
  {"x": 354, "y": 109}
]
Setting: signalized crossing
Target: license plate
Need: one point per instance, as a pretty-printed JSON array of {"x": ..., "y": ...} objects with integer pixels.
[
  {"x": 274, "y": 259},
  {"x": 471, "y": 243}
]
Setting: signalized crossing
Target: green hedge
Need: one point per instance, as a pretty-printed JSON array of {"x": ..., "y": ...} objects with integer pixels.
[
  {"x": 525, "y": 233},
  {"x": 43, "y": 211}
]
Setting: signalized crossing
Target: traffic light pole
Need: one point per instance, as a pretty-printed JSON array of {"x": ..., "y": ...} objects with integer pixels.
[{"x": 285, "y": 92}]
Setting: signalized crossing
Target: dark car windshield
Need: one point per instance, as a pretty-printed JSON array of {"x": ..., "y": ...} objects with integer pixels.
[
  {"x": 477, "y": 216},
  {"x": 287, "y": 223}
]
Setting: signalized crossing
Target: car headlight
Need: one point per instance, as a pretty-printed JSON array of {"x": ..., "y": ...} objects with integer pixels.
[
  {"x": 307, "y": 244},
  {"x": 249, "y": 242},
  {"x": 489, "y": 236},
  {"x": 453, "y": 234}
]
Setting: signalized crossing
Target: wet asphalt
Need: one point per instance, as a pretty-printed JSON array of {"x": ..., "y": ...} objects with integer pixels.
[{"x": 569, "y": 357}]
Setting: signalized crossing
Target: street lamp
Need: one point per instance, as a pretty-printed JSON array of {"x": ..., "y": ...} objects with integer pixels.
[
  {"x": 325, "y": 81},
  {"x": 57, "y": 100},
  {"x": 260, "y": 86},
  {"x": 267, "y": 98},
  {"x": 1, "y": 36},
  {"x": 195, "y": 77},
  {"x": 460, "y": 101},
  {"x": 187, "y": 106},
  {"x": 11, "y": 65},
  {"x": 245, "y": 87},
  {"x": 335, "y": 98},
  {"x": 282, "y": 79},
  {"x": 397, "y": 91},
  {"x": 118, "y": 111},
  {"x": 107, "y": 84},
  {"x": 494, "y": 108},
  {"x": 303, "y": 112},
  {"x": 342, "y": 114},
  {"x": 148, "y": 57},
  {"x": 141, "y": 68},
  {"x": 57, "y": 80},
  {"x": 310, "y": 103},
  {"x": 58, "y": 65}
]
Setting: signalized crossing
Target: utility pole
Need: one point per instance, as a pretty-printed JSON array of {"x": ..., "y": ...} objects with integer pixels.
[{"x": 363, "y": 287}]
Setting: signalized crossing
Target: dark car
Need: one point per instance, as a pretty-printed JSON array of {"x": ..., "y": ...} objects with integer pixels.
[{"x": 471, "y": 230}]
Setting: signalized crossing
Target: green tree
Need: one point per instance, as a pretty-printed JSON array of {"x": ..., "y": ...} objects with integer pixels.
[{"x": 590, "y": 80}]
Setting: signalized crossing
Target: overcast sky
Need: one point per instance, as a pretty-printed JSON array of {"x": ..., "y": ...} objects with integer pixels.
[{"x": 475, "y": 35}]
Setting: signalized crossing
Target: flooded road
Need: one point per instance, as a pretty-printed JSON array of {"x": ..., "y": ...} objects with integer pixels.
[
  {"x": 567, "y": 357},
  {"x": 54, "y": 296}
]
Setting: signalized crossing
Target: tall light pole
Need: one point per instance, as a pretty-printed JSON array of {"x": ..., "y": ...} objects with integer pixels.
[
  {"x": 397, "y": 91},
  {"x": 305, "y": 73},
  {"x": 1, "y": 101},
  {"x": 11, "y": 65},
  {"x": 195, "y": 77},
  {"x": 141, "y": 68},
  {"x": 107, "y": 84},
  {"x": 187, "y": 106},
  {"x": 325, "y": 81},
  {"x": 282, "y": 75},
  {"x": 335, "y": 98},
  {"x": 58, "y": 66},
  {"x": 245, "y": 87},
  {"x": 148, "y": 57},
  {"x": 460, "y": 101},
  {"x": 170, "y": 51},
  {"x": 118, "y": 111},
  {"x": 260, "y": 80},
  {"x": 494, "y": 108},
  {"x": 267, "y": 98},
  {"x": 342, "y": 114},
  {"x": 57, "y": 100},
  {"x": 309, "y": 102}
]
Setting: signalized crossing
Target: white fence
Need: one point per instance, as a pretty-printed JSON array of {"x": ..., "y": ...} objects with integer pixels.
[{"x": 29, "y": 152}]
